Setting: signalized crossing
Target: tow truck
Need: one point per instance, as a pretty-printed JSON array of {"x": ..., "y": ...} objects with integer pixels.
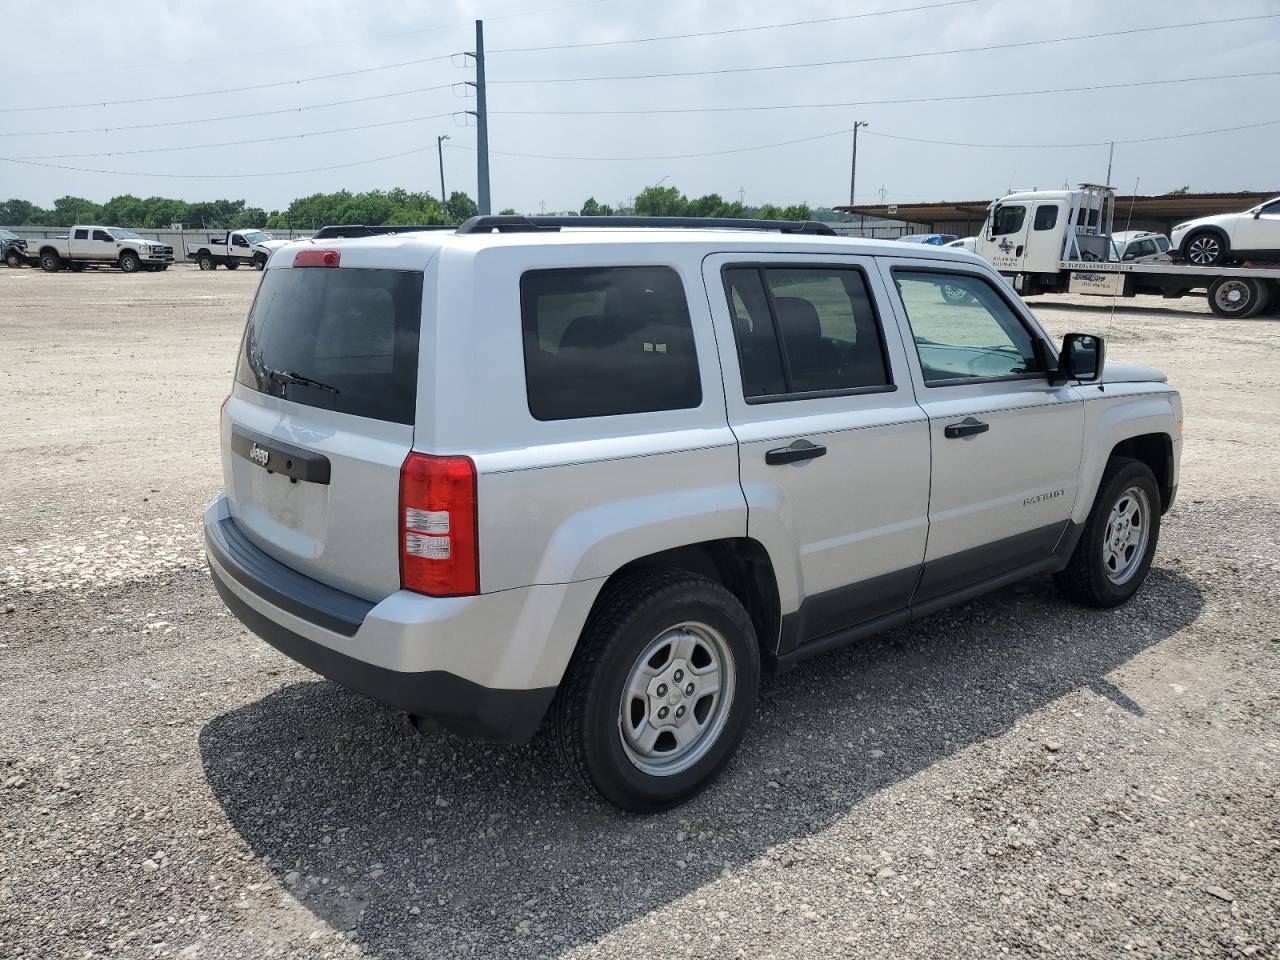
[{"x": 1060, "y": 241}]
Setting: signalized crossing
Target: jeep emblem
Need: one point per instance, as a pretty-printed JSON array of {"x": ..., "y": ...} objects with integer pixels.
[{"x": 258, "y": 455}]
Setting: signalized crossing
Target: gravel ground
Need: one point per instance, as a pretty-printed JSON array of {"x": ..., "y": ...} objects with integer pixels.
[{"x": 1017, "y": 776}]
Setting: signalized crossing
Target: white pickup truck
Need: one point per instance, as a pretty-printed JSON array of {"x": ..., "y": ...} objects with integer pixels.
[
  {"x": 89, "y": 246},
  {"x": 231, "y": 248}
]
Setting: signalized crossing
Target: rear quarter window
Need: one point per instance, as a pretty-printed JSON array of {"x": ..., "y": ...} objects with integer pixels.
[
  {"x": 604, "y": 341},
  {"x": 339, "y": 339}
]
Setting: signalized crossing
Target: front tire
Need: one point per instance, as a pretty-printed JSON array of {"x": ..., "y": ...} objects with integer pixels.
[
  {"x": 259, "y": 262},
  {"x": 1204, "y": 249},
  {"x": 660, "y": 691},
  {"x": 129, "y": 262},
  {"x": 1118, "y": 543},
  {"x": 13, "y": 258}
]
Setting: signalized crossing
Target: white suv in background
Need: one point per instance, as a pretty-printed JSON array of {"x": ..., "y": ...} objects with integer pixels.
[
  {"x": 1251, "y": 235},
  {"x": 602, "y": 476}
]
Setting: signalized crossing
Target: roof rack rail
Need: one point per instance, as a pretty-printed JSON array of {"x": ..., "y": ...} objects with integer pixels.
[
  {"x": 551, "y": 224},
  {"x": 361, "y": 230}
]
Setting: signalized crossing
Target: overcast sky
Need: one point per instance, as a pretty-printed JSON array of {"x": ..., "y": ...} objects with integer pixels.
[{"x": 73, "y": 52}]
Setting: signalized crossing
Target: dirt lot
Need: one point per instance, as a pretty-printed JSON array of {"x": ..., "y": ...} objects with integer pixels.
[{"x": 1017, "y": 776}]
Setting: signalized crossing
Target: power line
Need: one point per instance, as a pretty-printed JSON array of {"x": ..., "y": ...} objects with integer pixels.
[
  {"x": 710, "y": 153},
  {"x": 896, "y": 56},
  {"x": 211, "y": 93},
  {"x": 221, "y": 176},
  {"x": 234, "y": 116},
  {"x": 232, "y": 143},
  {"x": 894, "y": 101},
  {"x": 846, "y": 131},
  {"x": 1092, "y": 143},
  {"x": 735, "y": 30},
  {"x": 439, "y": 28}
]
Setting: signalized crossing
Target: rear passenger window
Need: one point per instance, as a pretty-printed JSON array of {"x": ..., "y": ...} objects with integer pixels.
[
  {"x": 1046, "y": 217},
  {"x": 804, "y": 330},
  {"x": 607, "y": 340},
  {"x": 81, "y": 235}
]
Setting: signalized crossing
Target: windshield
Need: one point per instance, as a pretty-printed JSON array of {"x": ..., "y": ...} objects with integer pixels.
[
  {"x": 256, "y": 236},
  {"x": 122, "y": 234},
  {"x": 6, "y": 235}
]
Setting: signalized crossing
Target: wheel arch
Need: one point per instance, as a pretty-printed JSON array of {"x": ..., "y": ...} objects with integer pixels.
[
  {"x": 1142, "y": 427},
  {"x": 740, "y": 564},
  {"x": 1214, "y": 228}
]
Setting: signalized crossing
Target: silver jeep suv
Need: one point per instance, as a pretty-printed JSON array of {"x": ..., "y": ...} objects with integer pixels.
[{"x": 603, "y": 473}]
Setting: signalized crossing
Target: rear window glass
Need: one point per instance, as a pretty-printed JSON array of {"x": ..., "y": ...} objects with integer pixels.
[
  {"x": 605, "y": 341},
  {"x": 338, "y": 339}
]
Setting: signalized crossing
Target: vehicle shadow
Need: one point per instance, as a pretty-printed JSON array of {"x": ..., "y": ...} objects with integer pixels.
[
  {"x": 1147, "y": 307},
  {"x": 428, "y": 844}
]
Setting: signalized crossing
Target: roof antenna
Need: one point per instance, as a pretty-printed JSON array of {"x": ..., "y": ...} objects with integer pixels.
[{"x": 1119, "y": 272}]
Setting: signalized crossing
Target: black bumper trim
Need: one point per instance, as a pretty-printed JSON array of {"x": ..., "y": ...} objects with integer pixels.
[
  {"x": 457, "y": 704},
  {"x": 280, "y": 586}
]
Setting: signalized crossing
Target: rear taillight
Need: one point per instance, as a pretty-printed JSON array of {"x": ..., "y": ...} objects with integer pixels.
[
  {"x": 317, "y": 258},
  {"x": 438, "y": 552}
]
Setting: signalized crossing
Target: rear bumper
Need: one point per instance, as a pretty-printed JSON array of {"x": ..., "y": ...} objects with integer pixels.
[{"x": 444, "y": 659}]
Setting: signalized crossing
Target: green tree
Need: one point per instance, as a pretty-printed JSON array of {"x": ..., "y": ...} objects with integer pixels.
[
  {"x": 594, "y": 209},
  {"x": 507, "y": 212},
  {"x": 1180, "y": 192},
  {"x": 797, "y": 211},
  {"x": 661, "y": 202},
  {"x": 460, "y": 207}
]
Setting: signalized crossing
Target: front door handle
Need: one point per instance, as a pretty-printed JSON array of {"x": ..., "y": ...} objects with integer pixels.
[
  {"x": 968, "y": 427},
  {"x": 799, "y": 451}
]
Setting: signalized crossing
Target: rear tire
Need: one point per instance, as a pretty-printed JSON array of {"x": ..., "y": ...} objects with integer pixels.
[
  {"x": 129, "y": 262},
  {"x": 1204, "y": 248},
  {"x": 206, "y": 262},
  {"x": 1237, "y": 298},
  {"x": 50, "y": 262},
  {"x": 1118, "y": 543},
  {"x": 636, "y": 718}
]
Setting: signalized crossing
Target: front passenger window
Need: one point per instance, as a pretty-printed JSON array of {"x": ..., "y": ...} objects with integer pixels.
[{"x": 963, "y": 329}]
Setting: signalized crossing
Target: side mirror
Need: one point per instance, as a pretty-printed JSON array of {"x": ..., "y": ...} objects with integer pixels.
[
  {"x": 1257, "y": 214},
  {"x": 1082, "y": 357}
]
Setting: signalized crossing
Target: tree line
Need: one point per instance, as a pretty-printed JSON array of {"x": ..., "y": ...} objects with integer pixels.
[{"x": 396, "y": 206}]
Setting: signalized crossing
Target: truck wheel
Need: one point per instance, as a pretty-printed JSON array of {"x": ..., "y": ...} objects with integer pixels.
[
  {"x": 50, "y": 262},
  {"x": 13, "y": 258},
  {"x": 660, "y": 690},
  {"x": 1117, "y": 545},
  {"x": 233, "y": 264},
  {"x": 259, "y": 262},
  {"x": 206, "y": 262},
  {"x": 955, "y": 295},
  {"x": 1204, "y": 249},
  {"x": 1236, "y": 298},
  {"x": 129, "y": 262}
]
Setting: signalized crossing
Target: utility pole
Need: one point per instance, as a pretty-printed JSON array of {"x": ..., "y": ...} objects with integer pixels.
[
  {"x": 1110, "y": 156},
  {"x": 440, "y": 150},
  {"x": 853, "y": 167},
  {"x": 481, "y": 113}
]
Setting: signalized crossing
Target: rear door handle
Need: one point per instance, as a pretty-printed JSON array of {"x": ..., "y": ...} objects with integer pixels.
[
  {"x": 797, "y": 452},
  {"x": 968, "y": 427}
]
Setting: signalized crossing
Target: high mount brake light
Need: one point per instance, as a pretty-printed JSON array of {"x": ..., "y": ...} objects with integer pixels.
[
  {"x": 317, "y": 258},
  {"x": 438, "y": 548}
]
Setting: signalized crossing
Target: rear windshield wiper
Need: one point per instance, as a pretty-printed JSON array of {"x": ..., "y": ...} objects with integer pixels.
[{"x": 287, "y": 377}]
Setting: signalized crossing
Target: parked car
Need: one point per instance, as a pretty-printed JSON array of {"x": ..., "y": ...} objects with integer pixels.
[
  {"x": 933, "y": 239},
  {"x": 88, "y": 246},
  {"x": 1140, "y": 246},
  {"x": 13, "y": 249},
  {"x": 231, "y": 248},
  {"x": 1231, "y": 237},
  {"x": 544, "y": 469},
  {"x": 963, "y": 243}
]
